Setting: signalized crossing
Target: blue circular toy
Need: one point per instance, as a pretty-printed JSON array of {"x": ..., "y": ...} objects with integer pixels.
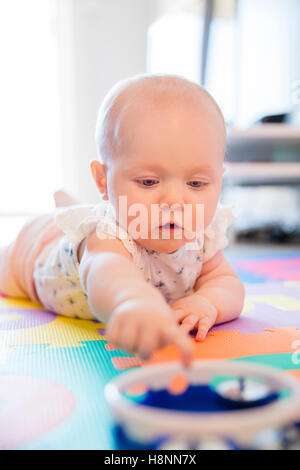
[{"x": 215, "y": 405}]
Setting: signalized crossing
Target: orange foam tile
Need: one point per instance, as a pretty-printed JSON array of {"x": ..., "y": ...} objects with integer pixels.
[{"x": 230, "y": 344}]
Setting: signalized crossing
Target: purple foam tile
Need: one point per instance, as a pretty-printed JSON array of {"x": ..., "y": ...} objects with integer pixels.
[
  {"x": 274, "y": 288},
  {"x": 102, "y": 331},
  {"x": 261, "y": 317},
  {"x": 29, "y": 318}
]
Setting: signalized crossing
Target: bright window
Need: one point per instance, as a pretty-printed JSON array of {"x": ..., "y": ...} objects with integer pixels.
[
  {"x": 175, "y": 47},
  {"x": 30, "y": 150}
]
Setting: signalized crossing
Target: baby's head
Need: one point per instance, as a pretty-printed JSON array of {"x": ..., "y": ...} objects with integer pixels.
[{"x": 161, "y": 142}]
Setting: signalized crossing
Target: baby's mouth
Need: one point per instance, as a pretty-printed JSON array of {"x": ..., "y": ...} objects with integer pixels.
[{"x": 170, "y": 226}]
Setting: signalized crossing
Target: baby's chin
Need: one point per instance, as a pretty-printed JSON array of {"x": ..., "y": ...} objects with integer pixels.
[{"x": 163, "y": 246}]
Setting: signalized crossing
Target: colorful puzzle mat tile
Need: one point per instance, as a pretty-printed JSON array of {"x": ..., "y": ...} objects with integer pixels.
[
  {"x": 264, "y": 267},
  {"x": 53, "y": 369}
]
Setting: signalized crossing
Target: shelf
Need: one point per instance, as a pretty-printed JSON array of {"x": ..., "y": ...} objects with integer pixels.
[
  {"x": 261, "y": 173},
  {"x": 268, "y": 132}
]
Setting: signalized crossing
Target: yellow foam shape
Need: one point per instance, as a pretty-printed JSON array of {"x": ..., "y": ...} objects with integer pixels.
[
  {"x": 9, "y": 318},
  {"x": 60, "y": 333},
  {"x": 247, "y": 305},
  {"x": 18, "y": 303},
  {"x": 279, "y": 301}
]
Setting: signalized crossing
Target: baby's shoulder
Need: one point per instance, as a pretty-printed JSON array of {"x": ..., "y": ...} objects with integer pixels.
[{"x": 92, "y": 244}]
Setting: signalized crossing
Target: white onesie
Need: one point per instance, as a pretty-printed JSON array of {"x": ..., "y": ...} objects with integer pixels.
[{"x": 56, "y": 273}]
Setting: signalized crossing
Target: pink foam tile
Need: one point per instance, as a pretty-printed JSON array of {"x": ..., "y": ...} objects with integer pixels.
[
  {"x": 121, "y": 363},
  {"x": 40, "y": 407},
  {"x": 288, "y": 269}
]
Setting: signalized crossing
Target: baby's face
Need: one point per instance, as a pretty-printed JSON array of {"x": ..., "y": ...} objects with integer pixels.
[{"x": 171, "y": 157}]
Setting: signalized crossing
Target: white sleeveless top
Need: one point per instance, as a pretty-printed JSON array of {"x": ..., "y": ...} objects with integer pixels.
[{"x": 56, "y": 272}]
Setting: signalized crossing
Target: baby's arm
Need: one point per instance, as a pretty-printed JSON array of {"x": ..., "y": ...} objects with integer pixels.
[
  {"x": 138, "y": 318},
  {"x": 218, "y": 297}
]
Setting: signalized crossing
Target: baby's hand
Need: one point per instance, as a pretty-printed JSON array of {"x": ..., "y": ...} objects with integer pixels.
[
  {"x": 141, "y": 327},
  {"x": 195, "y": 311}
]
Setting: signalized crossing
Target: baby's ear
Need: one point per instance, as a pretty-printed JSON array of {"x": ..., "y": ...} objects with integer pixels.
[
  {"x": 93, "y": 167},
  {"x": 97, "y": 170},
  {"x": 99, "y": 176}
]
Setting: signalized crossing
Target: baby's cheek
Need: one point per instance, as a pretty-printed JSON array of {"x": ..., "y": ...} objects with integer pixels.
[{"x": 210, "y": 206}]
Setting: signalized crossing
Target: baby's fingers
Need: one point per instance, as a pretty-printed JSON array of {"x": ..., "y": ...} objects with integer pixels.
[
  {"x": 148, "y": 343},
  {"x": 174, "y": 335},
  {"x": 203, "y": 326},
  {"x": 129, "y": 338},
  {"x": 189, "y": 323},
  {"x": 113, "y": 332},
  {"x": 179, "y": 314},
  {"x": 122, "y": 335}
]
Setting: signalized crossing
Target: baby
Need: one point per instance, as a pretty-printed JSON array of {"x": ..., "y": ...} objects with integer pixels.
[{"x": 154, "y": 277}]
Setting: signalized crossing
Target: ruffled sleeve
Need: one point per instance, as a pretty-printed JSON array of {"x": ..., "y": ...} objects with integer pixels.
[
  {"x": 78, "y": 221},
  {"x": 215, "y": 235}
]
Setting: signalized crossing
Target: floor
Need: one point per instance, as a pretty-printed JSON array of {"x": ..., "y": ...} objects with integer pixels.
[
  {"x": 62, "y": 364},
  {"x": 66, "y": 362}
]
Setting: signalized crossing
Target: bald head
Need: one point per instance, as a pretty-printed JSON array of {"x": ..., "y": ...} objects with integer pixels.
[{"x": 142, "y": 93}]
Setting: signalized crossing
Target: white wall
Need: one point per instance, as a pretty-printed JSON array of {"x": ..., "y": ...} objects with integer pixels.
[
  {"x": 268, "y": 57},
  {"x": 102, "y": 41},
  {"x": 30, "y": 151}
]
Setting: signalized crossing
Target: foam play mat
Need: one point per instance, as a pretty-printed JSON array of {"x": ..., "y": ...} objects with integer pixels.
[{"x": 53, "y": 369}]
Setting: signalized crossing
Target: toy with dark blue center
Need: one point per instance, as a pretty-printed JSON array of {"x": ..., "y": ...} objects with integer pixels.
[{"x": 210, "y": 405}]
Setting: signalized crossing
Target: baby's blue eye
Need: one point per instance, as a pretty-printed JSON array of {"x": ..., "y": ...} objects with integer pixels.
[
  {"x": 196, "y": 184},
  {"x": 147, "y": 182}
]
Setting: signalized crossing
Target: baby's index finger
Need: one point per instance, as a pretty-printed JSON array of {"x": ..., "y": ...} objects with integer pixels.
[
  {"x": 203, "y": 327},
  {"x": 186, "y": 347}
]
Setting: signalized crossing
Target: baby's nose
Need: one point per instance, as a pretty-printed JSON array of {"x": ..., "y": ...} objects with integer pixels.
[
  {"x": 172, "y": 198},
  {"x": 165, "y": 207}
]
